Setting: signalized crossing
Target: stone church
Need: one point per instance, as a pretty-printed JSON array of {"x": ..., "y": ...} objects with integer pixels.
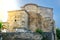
[{"x": 32, "y": 17}]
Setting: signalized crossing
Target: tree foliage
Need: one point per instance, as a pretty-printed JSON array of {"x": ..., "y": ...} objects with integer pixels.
[
  {"x": 0, "y": 25},
  {"x": 58, "y": 33}
]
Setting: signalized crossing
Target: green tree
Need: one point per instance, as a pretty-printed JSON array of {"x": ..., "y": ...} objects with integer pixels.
[
  {"x": 58, "y": 33},
  {"x": 0, "y": 26}
]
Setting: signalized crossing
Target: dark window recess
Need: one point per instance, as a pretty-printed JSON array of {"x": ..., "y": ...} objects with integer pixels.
[{"x": 15, "y": 20}]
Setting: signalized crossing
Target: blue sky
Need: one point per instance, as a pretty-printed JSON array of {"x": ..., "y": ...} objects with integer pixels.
[{"x": 55, "y": 4}]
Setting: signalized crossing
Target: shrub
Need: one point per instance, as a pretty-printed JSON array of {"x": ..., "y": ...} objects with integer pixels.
[{"x": 39, "y": 31}]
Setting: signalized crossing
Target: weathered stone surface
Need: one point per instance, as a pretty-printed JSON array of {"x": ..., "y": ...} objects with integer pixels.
[
  {"x": 26, "y": 36},
  {"x": 40, "y": 17},
  {"x": 17, "y": 19},
  {"x": 21, "y": 36},
  {"x": 31, "y": 16}
]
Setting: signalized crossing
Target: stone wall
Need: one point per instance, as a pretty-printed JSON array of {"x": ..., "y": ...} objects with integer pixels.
[
  {"x": 21, "y": 36},
  {"x": 27, "y": 36}
]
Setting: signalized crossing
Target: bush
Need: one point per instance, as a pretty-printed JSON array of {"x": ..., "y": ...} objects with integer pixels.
[{"x": 39, "y": 31}]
